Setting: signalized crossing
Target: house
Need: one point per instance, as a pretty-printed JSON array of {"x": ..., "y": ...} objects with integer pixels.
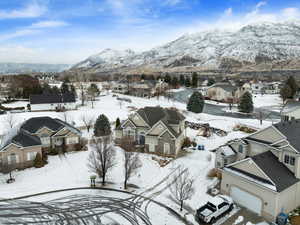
[
  {"x": 147, "y": 88},
  {"x": 291, "y": 111},
  {"x": 257, "y": 87},
  {"x": 120, "y": 87},
  {"x": 264, "y": 176},
  {"x": 224, "y": 92},
  {"x": 159, "y": 130},
  {"x": 53, "y": 101},
  {"x": 37, "y": 135}
]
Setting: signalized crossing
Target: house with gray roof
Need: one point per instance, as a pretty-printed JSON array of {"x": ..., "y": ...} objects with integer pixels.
[
  {"x": 265, "y": 174},
  {"x": 22, "y": 143},
  {"x": 158, "y": 130},
  {"x": 224, "y": 92},
  {"x": 291, "y": 111},
  {"x": 52, "y": 101}
]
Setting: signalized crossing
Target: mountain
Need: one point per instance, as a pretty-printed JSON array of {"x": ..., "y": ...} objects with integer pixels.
[
  {"x": 15, "y": 68},
  {"x": 253, "y": 44}
]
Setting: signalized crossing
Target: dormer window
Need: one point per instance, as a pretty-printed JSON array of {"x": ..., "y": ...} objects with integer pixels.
[
  {"x": 289, "y": 160},
  {"x": 241, "y": 148}
]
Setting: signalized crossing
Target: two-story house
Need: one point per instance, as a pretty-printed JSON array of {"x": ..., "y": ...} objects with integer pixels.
[
  {"x": 159, "y": 130},
  {"x": 37, "y": 135},
  {"x": 264, "y": 176}
]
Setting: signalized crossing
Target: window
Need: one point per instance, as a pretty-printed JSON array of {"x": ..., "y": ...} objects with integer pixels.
[
  {"x": 167, "y": 148},
  {"x": 129, "y": 132},
  {"x": 12, "y": 159},
  {"x": 225, "y": 161},
  {"x": 72, "y": 140},
  {"x": 241, "y": 148},
  {"x": 289, "y": 160},
  {"x": 31, "y": 156}
]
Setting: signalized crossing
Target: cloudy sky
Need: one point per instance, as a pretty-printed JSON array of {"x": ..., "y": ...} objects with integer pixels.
[{"x": 67, "y": 31}]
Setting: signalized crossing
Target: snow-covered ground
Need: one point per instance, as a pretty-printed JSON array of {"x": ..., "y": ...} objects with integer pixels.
[{"x": 71, "y": 170}]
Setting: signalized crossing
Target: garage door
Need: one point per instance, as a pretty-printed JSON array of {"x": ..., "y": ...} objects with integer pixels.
[{"x": 246, "y": 199}]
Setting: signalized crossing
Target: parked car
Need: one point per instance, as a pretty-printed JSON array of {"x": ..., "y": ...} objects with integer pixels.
[{"x": 214, "y": 208}]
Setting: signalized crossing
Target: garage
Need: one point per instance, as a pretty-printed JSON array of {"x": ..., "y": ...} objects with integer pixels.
[{"x": 246, "y": 200}]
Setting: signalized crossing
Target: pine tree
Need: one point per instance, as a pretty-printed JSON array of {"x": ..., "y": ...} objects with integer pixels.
[
  {"x": 174, "y": 82},
  {"x": 187, "y": 82},
  {"x": 211, "y": 82},
  {"x": 196, "y": 103},
  {"x": 64, "y": 87},
  {"x": 168, "y": 78},
  {"x": 285, "y": 92},
  {"x": 246, "y": 103},
  {"x": 291, "y": 82},
  {"x": 118, "y": 123},
  {"x": 181, "y": 80},
  {"x": 102, "y": 126},
  {"x": 194, "y": 80},
  {"x": 38, "y": 161}
]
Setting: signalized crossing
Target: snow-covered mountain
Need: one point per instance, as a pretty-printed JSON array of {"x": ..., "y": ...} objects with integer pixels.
[
  {"x": 14, "y": 68},
  {"x": 250, "y": 44}
]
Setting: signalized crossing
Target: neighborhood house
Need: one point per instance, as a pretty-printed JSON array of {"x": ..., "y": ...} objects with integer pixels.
[
  {"x": 159, "y": 130},
  {"x": 37, "y": 135},
  {"x": 261, "y": 172}
]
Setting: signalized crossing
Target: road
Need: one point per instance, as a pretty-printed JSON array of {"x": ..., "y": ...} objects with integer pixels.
[{"x": 218, "y": 110}]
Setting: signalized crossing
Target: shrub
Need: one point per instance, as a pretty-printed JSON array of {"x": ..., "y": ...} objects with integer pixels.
[
  {"x": 53, "y": 151},
  {"x": 214, "y": 173},
  {"x": 186, "y": 143},
  {"x": 38, "y": 161}
]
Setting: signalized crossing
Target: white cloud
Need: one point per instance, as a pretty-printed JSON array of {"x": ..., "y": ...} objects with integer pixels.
[
  {"x": 32, "y": 10},
  {"x": 18, "y": 54},
  {"x": 172, "y": 2},
  {"x": 49, "y": 24},
  {"x": 291, "y": 13},
  {"x": 228, "y": 12}
]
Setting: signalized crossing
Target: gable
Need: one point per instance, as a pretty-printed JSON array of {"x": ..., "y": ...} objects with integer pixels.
[
  {"x": 138, "y": 121},
  {"x": 128, "y": 123},
  {"x": 44, "y": 131},
  {"x": 250, "y": 167},
  {"x": 62, "y": 132},
  {"x": 157, "y": 129},
  {"x": 166, "y": 134},
  {"x": 269, "y": 134}
]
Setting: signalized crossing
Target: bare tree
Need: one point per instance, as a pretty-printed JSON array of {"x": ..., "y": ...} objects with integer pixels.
[
  {"x": 88, "y": 121},
  {"x": 7, "y": 168},
  {"x": 181, "y": 186},
  {"x": 132, "y": 163},
  {"x": 120, "y": 103},
  {"x": 11, "y": 120},
  {"x": 65, "y": 116},
  {"x": 102, "y": 157}
]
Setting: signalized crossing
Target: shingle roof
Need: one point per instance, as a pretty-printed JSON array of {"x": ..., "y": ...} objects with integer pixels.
[
  {"x": 153, "y": 114},
  {"x": 50, "y": 98},
  {"x": 34, "y": 124},
  {"x": 226, "y": 86},
  {"x": 279, "y": 174},
  {"x": 290, "y": 130}
]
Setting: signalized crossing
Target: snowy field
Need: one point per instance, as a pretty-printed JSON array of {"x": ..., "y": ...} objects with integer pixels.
[{"x": 70, "y": 171}]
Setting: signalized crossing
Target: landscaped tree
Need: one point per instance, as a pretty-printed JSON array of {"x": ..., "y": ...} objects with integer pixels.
[
  {"x": 194, "y": 80},
  {"x": 102, "y": 126},
  {"x": 196, "y": 103},
  {"x": 93, "y": 91},
  {"x": 187, "y": 82},
  {"x": 174, "y": 82},
  {"x": 181, "y": 186},
  {"x": 132, "y": 163},
  {"x": 64, "y": 87},
  {"x": 285, "y": 92},
  {"x": 88, "y": 121},
  {"x": 181, "y": 80},
  {"x": 38, "y": 161},
  {"x": 246, "y": 104},
  {"x": 167, "y": 78},
  {"x": 211, "y": 82},
  {"x": 118, "y": 122},
  {"x": 102, "y": 157},
  {"x": 291, "y": 82}
]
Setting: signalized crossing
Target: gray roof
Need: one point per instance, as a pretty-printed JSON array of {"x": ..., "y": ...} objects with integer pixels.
[
  {"x": 51, "y": 98},
  {"x": 280, "y": 175},
  {"x": 290, "y": 130},
  {"x": 291, "y": 106},
  {"x": 168, "y": 116},
  {"x": 34, "y": 124}
]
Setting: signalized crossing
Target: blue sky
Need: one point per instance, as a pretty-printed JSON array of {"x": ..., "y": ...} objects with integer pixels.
[{"x": 67, "y": 31}]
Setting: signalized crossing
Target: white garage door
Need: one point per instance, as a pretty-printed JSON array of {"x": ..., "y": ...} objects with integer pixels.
[{"x": 246, "y": 199}]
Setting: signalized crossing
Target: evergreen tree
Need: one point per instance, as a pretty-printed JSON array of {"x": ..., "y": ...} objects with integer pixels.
[
  {"x": 285, "y": 92},
  {"x": 246, "y": 103},
  {"x": 181, "y": 80},
  {"x": 174, "y": 82},
  {"x": 143, "y": 77},
  {"x": 168, "y": 78},
  {"x": 196, "y": 103},
  {"x": 187, "y": 82},
  {"x": 211, "y": 82},
  {"x": 118, "y": 123},
  {"x": 291, "y": 82},
  {"x": 38, "y": 161},
  {"x": 102, "y": 126},
  {"x": 64, "y": 87},
  {"x": 194, "y": 80}
]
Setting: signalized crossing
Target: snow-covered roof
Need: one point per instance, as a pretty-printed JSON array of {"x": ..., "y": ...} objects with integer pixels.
[{"x": 227, "y": 150}]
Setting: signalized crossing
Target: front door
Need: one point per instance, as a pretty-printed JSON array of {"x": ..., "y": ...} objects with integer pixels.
[
  {"x": 151, "y": 148},
  {"x": 167, "y": 149}
]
